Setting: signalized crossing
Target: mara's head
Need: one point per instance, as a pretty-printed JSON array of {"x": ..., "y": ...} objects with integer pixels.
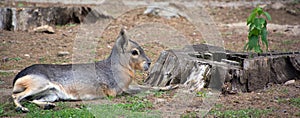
[{"x": 130, "y": 54}]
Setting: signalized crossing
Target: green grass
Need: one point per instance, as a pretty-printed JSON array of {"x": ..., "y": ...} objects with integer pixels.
[
  {"x": 16, "y": 58},
  {"x": 136, "y": 103},
  {"x": 189, "y": 115},
  {"x": 242, "y": 113},
  {"x": 117, "y": 110},
  {"x": 132, "y": 106},
  {"x": 20, "y": 5},
  {"x": 159, "y": 94},
  {"x": 201, "y": 94},
  {"x": 295, "y": 102},
  {"x": 6, "y": 74},
  {"x": 7, "y": 109},
  {"x": 64, "y": 111}
]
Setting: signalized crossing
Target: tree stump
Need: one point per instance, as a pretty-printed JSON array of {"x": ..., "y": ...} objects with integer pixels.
[
  {"x": 207, "y": 66},
  {"x": 27, "y": 18}
]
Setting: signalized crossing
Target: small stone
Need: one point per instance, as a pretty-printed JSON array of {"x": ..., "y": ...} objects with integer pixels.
[
  {"x": 277, "y": 6},
  {"x": 27, "y": 55},
  {"x": 44, "y": 29},
  {"x": 289, "y": 82},
  {"x": 292, "y": 12},
  {"x": 167, "y": 12},
  {"x": 5, "y": 59},
  {"x": 160, "y": 100},
  {"x": 62, "y": 53}
]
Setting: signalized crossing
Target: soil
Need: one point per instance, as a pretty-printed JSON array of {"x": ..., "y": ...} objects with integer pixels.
[{"x": 19, "y": 49}]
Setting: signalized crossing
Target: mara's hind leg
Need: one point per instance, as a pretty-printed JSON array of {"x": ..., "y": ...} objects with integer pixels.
[
  {"x": 46, "y": 102},
  {"x": 28, "y": 85}
]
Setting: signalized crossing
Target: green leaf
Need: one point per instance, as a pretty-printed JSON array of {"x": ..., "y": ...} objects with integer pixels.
[
  {"x": 264, "y": 34},
  {"x": 262, "y": 22},
  {"x": 257, "y": 49},
  {"x": 251, "y": 18},
  {"x": 251, "y": 27},
  {"x": 253, "y": 41},
  {"x": 257, "y": 23},
  {"x": 268, "y": 15},
  {"x": 254, "y": 31},
  {"x": 246, "y": 46},
  {"x": 259, "y": 11}
]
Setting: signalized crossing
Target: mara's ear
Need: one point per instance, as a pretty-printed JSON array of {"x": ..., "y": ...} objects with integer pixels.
[{"x": 122, "y": 41}]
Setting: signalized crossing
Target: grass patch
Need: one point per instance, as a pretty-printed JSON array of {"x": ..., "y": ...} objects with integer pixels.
[
  {"x": 16, "y": 58},
  {"x": 132, "y": 106},
  {"x": 7, "y": 109},
  {"x": 118, "y": 110},
  {"x": 201, "y": 94},
  {"x": 136, "y": 103},
  {"x": 64, "y": 111},
  {"x": 6, "y": 74},
  {"x": 295, "y": 102},
  {"x": 242, "y": 113},
  {"x": 189, "y": 115},
  {"x": 159, "y": 94}
]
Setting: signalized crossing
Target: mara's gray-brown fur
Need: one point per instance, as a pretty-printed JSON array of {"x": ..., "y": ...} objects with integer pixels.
[{"x": 45, "y": 83}]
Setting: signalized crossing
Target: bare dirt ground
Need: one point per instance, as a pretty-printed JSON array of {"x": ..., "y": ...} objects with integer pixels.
[{"x": 20, "y": 49}]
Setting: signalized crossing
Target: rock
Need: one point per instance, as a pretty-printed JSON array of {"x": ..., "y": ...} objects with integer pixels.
[
  {"x": 162, "y": 12},
  {"x": 27, "y": 55},
  {"x": 5, "y": 59},
  {"x": 289, "y": 82},
  {"x": 62, "y": 53},
  {"x": 292, "y": 12},
  {"x": 277, "y": 6},
  {"x": 160, "y": 100},
  {"x": 44, "y": 29}
]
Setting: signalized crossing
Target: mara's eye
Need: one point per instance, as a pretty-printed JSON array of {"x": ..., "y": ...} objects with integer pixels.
[{"x": 134, "y": 52}]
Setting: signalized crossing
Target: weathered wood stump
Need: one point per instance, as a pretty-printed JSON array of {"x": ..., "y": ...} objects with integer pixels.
[
  {"x": 27, "y": 18},
  {"x": 209, "y": 66}
]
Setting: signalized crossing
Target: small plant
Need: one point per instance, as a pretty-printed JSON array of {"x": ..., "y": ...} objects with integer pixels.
[
  {"x": 295, "y": 102},
  {"x": 16, "y": 58},
  {"x": 257, "y": 30},
  {"x": 20, "y": 5},
  {"x": 189, "y": 115},
  {"x": 159, "y": 94},
  {"x": 201, "y": 94},
  {"x": 135, "y": 103}
]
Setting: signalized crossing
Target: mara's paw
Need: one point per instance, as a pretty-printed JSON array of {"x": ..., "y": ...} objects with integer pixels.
[
  {"x": 49, "y": 106},
  {"x": 22, "y": 109}
]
